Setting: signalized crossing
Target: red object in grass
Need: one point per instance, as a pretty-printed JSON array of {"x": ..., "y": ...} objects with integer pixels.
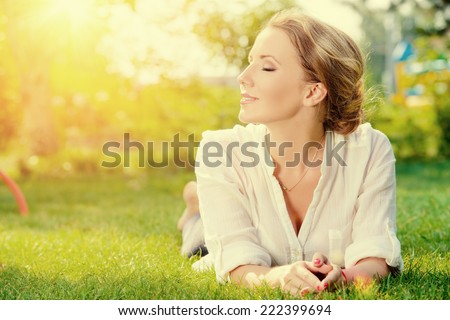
[{"x": 18, "y": 195}]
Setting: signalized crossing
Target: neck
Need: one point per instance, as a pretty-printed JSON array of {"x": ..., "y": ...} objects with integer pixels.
[{"x": 289, "y": 141}]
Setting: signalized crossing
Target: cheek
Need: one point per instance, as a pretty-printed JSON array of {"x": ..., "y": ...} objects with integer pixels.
[{"x": 281, "y": 91}]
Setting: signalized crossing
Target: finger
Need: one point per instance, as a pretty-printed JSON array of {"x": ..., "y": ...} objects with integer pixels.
[
  {"x": 306, "y": 291},
  {"x": 332, "y": 277},
  {"x": 324, "y": 269},
  {"x": 320, "y": 273},
  {"x": 297, "y": 290},
  {"x": 296, "y": 286},
  {"x": 306, "y": 275},
  {"x": 319, "y": 259}
]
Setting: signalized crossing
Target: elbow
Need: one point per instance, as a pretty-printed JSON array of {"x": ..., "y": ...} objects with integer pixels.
[
  {"x": 371, "y": 268},
  {"x": 236, "y": 275}
]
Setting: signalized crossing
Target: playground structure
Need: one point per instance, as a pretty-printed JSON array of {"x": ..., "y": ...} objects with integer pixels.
[
  {"x": 411, "y": 77},
  {"x": 17, "y": 193}
]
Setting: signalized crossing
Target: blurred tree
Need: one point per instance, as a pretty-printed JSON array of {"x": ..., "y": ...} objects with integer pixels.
[
  {"x": 416, "y": 19},
  {"x": 433, "y": 18},
  {"x": 425, "y": 24},
  {"x": 231, "y": 33},
  {"x": 442, "y": 107},
  {"x": 40, "y": 33},
  {"x": 430, "y": 17},
  {"x": 132, "y": 43},
  {"x": 431, "y": 29},
  {"x": 10, "y": 117},
  {"x": 32, "y": 54},
  {"x": 373, "y": 39}
]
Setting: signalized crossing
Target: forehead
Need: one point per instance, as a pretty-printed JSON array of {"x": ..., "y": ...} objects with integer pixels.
[{"x": 274, "y": 41}]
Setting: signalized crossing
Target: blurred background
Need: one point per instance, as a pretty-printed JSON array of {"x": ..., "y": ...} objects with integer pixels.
[{"x": 75, "y": 75}]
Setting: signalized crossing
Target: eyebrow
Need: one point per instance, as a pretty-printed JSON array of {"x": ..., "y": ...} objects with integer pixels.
[{"x": 262, "y": 56}]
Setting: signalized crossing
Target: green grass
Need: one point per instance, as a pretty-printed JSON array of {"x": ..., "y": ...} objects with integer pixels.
[{"x": 114, "y": 237}]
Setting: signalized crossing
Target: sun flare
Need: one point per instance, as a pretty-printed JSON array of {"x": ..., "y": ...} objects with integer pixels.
[{"x": 76, "y": 12}]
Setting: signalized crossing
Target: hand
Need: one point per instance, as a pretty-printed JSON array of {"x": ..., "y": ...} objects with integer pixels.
[
  {"x": 333, "y": 277},
  {"x": 299, "y": 277}
]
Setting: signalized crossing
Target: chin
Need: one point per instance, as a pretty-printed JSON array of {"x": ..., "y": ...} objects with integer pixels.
[{"x": 246, "y": 118}]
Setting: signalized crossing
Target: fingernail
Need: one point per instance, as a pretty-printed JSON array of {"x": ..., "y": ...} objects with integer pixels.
[
  {"x": 304, "y": 292},
  {"x": 325, "y": 285},
  {"x": 319, "y": 288},
  {"x": 317, "y": 261}
]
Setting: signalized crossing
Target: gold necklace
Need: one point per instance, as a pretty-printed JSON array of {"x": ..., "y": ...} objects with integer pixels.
[{"x": 301, "y": 178}]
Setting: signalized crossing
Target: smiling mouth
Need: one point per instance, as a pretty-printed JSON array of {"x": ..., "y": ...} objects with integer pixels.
[{"x": 247, "y": 99}]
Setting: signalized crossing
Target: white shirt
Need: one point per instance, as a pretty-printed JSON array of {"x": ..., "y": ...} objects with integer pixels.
[{"x": 245, "y": 216}]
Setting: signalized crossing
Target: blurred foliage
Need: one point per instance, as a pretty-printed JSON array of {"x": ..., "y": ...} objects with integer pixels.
[
  {"x": 431, "y": 30},
  {"x": 64, "y": 103},
  {"x": 373, "y": 41},
  {"x": 232, "y": 34},
  {"x": 152, "y": 115},
  {"x": 434, "y": 17},
  {"x": 39, "y": 34},
  {"x": 412, "y": 131},
  {"x": 10, "y": 115},
  {"x": 420, "y": 21},
  {"x": 420, "y": 132},
  {"x": 442, "y": 107}
]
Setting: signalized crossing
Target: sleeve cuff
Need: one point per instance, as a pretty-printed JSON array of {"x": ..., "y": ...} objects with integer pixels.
[
  {"x": 376, "y": 246},
  {"x": 233, "y": 255}
]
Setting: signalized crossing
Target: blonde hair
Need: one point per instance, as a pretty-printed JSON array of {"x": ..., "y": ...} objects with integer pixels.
[{"x": 330, "y": 56}]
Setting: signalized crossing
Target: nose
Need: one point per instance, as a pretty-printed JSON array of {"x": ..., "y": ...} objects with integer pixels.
[{"x": 244, "y": 78}]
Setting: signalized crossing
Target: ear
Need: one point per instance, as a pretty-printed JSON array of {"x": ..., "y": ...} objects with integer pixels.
[{"x": 315, "y": 94}]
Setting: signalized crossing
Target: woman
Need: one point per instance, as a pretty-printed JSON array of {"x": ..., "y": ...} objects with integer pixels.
[{"x": 303, "y": 196}]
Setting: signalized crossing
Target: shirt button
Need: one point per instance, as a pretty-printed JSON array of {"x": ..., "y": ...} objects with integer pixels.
[{"x": 296, "y": 255}]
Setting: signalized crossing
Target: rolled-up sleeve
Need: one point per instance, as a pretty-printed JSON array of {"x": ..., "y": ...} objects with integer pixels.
[
  {"x": 374, "y": 224},
  {"x": 230, "y": 235}
]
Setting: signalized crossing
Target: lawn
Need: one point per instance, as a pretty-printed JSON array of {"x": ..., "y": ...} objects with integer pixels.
[{"x": 113, "y": 236}]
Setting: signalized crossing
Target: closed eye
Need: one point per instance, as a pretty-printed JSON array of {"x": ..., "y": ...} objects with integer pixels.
[{"x": 268, "y": 69}]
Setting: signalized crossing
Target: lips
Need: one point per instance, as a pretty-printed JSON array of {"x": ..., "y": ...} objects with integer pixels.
[{"x": 246, "y": 98}]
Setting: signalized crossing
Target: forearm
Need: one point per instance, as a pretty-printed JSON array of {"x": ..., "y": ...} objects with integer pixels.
[
  {"x": 249, "y": 275},
  {"x": 367, "y": 269}
]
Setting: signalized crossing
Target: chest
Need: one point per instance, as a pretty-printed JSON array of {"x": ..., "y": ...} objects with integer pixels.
[{"x": 299, "y": 199}]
